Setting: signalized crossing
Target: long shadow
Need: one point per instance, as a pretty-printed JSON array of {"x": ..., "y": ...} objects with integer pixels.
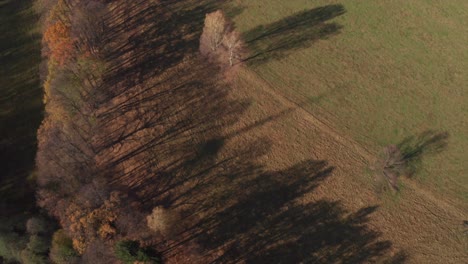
[
  {"x": 268, "y": 224},
  {"x": 415, "y": 148},
  {"x": 249, "y": 215},
  {"x": 164, "y": 138},
  {"x": 298, "y": 31},
  {"x": 20, "y": 104}
]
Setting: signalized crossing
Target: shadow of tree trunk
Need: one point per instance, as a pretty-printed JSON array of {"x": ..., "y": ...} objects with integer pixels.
[
  {"x": 298, "y": 31},
  {"x": 415, "y": 148}
]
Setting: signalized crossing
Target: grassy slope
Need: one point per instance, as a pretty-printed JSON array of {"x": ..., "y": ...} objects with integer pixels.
[
  {"x": 20, "y": 100},
  {"x": 395, "y": 70}
]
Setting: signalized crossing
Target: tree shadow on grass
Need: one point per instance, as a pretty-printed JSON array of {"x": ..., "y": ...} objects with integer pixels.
[
  {"x": 252, "y": 215},
  {"x": 298, "y": 31},
  {"x": 171, "y": 140},
  {"x": 165, "y": 137},
  {"x": 415, "y": 148}
]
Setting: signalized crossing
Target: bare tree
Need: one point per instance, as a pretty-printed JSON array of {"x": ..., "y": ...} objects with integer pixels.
[
  {"x": 234, "y": 45},
  {"x": 390, "y": 166},
  {"x": 220, "y": 40},
  {"x": 88, "y": 25},
  {"x": 216, "y": 26}
]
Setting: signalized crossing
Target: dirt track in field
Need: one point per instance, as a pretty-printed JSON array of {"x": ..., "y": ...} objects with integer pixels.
[
  {"x": 428, "y": 228},
  {"x": 254, "y": 173}
]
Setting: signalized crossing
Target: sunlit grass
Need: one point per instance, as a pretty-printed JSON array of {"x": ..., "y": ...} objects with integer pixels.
[{"x": 396, "y": 69}]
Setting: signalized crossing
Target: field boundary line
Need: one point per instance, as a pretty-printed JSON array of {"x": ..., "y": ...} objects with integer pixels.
[{"x": 366, "y": 156}]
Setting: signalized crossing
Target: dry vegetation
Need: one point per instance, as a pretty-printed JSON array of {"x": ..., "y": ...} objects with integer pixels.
[
  {"x": 148, "y": 153},
  {"x": 136, "y": 122}
]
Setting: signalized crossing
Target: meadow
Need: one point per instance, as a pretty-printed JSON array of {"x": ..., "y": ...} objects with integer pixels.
[{"x": 379, "y": 72}]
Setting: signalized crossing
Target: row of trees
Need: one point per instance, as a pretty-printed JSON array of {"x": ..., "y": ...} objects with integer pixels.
[
  {"x": 73, "y": 183},
  {"x": 70, "y": 187},
  {"x": 73, "y": 177}
]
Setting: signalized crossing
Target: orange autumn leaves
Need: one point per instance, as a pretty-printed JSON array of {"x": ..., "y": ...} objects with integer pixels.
[
  {"x": 58, "y": 39},
  {"x": 58, "y": 43}
]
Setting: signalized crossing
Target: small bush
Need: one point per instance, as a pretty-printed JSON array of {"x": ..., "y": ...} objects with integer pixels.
[
  {"x": 129, "y": 251},
  {"x": 38, "y": 244},
  {"x": 389, "y": 167},
  {"x": 62, "y": 251},
  {"x": 25, "y": 241},
  {"x": 11, "y": 245},
  {"x": 13, "y": 237},
  {"x": 30, "y": 257},
  {"x": 164, "y": 221}
]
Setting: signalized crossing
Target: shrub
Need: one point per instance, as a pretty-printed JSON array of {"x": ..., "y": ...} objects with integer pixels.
[
  {"x": 129, "y": 251},
  {"x": 164, "y": 221},
  {"x": 62, "y": 251},
  {"x": 25, "y": 241},
  {"x": 12, "y": 237},
  {"x": 389, "y": 167},
  {"x": 38, "y": 244},
  {"x": 11, "y": 245},
  {"x": 37, "y": 249},
  {"x": 30, "y": 257}
]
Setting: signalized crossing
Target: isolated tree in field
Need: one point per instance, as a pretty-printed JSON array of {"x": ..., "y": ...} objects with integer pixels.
[
  {"x": 234, "y": 45},
  {"x": 219, "y": 40},
  {"x": 216, "y": 26},
  {"x": 390, "y": 166}
]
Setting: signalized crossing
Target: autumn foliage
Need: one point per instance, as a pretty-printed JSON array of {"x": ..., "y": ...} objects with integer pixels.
[
  {"x": 112, "y": 104},
  {"x": 59, "y": 42},
  {"x": 68, "y": 188}
]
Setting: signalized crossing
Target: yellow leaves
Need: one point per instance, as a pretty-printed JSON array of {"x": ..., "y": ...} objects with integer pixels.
[
  {"x": 106, "y": 231},
  {"x": 59, "y": 12},
  {"x": 47, "y": 88},
  {"x": 57, "y": 35},
  {"x": 79, "y": 245},
  {"x": 88, "y": 225},
  {"x": 58, "y": 39}
]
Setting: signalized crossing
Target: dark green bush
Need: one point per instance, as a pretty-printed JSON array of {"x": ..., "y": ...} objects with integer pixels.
[
  {"x": 62, "y": 251},
  {"x": 30, "y": 257},
  {"x": 130, "y": 251},
  {"x": 13, "y": 237}
]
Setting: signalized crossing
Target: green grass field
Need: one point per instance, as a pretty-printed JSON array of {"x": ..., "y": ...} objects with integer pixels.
[
  {"x": 20, "y": 101},
  {"x": 378, "y": 71}
]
